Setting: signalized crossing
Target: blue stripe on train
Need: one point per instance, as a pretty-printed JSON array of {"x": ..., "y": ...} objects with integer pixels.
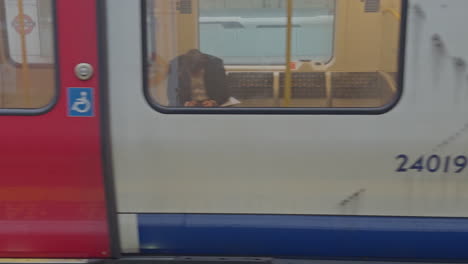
[{"x": 304, "y": 236}]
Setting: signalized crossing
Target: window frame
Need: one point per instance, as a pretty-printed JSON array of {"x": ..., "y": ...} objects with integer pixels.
[
  {"x": 55, "y": 66},
  {"x": 276, "y": 110}
]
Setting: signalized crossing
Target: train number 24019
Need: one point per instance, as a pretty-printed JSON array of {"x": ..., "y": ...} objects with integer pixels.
[{"x": 433, "y": 163}]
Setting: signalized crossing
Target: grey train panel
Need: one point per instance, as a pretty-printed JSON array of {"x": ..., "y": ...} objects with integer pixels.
[{"x": 291, "y": 164}]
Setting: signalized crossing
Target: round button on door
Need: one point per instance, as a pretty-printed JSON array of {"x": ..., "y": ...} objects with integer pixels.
[{"x": 84, "y": 71}]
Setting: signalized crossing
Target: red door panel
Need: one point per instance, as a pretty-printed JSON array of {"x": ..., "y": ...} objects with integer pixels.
[{"x": 52, "y": 198}]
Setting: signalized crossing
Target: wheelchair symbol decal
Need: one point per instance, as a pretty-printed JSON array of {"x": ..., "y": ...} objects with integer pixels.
[{"x": 80, "y": 102}]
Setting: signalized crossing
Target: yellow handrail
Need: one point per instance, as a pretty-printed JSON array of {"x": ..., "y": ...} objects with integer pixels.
[
  {"x": 25, "y": 76},
  {"x": 393, "y": 12},
  {"x": 287, "y": 79},
  {"x": 390, "y": 81}
]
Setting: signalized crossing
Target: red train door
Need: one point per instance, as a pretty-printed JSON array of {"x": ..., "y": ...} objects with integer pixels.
[{"x": 52, "y": 195}]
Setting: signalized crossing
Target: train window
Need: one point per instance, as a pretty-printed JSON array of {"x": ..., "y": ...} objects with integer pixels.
[
  {"x": 27, "y": 68},
  {"x": 241, "y": 32},
  {"x": 331, "y": 55}
]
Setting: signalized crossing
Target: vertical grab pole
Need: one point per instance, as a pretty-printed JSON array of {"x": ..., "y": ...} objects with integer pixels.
[
  {"x": 287, "y": 84},
  {"x": 25, "y": 81}
]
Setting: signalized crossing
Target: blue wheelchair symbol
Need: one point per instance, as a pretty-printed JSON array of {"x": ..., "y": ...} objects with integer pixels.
[{"x": 80, "y": 102}]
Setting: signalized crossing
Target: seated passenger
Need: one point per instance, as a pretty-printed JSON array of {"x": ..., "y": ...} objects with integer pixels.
[{"x": 197, "y": 80}]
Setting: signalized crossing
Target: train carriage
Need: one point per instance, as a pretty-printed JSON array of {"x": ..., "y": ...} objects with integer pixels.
[{"x": 233, "y": 131}]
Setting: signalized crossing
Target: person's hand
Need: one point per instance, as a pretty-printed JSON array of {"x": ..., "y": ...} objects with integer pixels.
[
  {"x": 190, "y": 104},
  {"x": 209, "y": 103}
]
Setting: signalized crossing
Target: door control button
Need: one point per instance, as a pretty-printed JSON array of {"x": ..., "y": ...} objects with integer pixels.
[{"x": 84, "y": 71}]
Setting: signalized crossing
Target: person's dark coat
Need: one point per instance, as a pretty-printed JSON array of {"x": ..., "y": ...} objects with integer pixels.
[{"x": 179, "y": 82}]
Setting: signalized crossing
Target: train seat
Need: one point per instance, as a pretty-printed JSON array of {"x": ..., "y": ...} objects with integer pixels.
[
  {"x": 308, "y": 89},
  {"x": 363, "y": 89},
  {"x": 305, "y": 85},
  {"x": 251, "y": 88},
  {"x": 312, "y": 89}
]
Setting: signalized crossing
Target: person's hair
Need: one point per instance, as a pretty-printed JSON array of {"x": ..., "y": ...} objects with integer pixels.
[{"x": 196, "y": 61}]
